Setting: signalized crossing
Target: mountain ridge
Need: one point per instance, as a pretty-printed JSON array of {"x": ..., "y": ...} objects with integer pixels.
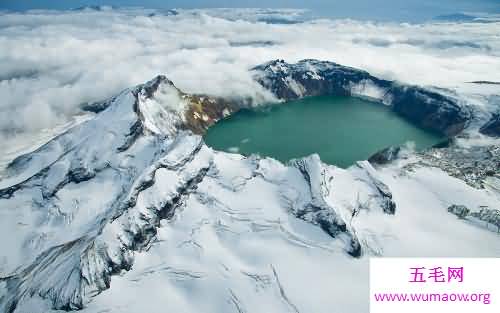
[{"x": 96, "y": 195}]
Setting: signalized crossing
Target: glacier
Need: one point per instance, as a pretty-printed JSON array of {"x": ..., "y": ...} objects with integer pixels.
[{"x": 130, "y": 211}]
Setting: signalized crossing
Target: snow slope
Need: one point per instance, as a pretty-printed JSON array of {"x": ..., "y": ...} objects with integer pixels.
[{"x": 129, "y": 212}]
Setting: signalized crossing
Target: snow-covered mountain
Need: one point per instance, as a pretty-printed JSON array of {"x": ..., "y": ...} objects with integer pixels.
[
  {"x": 424, "y": 107},
  {"x": 130, "y": 211}
]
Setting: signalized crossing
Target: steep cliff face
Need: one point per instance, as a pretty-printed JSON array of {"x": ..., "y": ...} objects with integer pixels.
[
  {"x": 425, "y": 108},
  {"x": 492, "y": 127},
  {"x": 311, "y": 78},
  {"x": 429, "y": 109},
  {"x": 194, "y": 112}
]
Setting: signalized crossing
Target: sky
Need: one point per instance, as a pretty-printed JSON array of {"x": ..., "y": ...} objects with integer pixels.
[{"x": 400, "y": 10}]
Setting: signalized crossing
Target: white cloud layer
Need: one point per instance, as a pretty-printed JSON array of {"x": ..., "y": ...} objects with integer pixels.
[{"x": 52, "y": 62}]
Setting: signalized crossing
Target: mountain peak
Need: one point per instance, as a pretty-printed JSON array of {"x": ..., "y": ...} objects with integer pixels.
[{"x": 150, "y": 87}]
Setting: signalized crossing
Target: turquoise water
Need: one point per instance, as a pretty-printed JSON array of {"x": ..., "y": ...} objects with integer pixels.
[{"x": 342, "y": 130}]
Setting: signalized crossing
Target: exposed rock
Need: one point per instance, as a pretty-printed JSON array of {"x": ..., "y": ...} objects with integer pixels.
[
  {"x": 96, "y": 107},
  {"x": 425, "y": 108},
  {"x": 318, "y": 211},
  {"x": 204, "y": 111},
  {"x": 490, "y": 216},
  {"x": 492, "y": 127},
  {"x": 474, "y": 164},
  {"x": 310, "y": 78},
  {"x": 429, "y": 109},
  {"x": 448, "y": 142},
  {"x": 385, "y": 156},
  {"x": 485, "y": 214},
  {"x": 459, "y": 210},
  {"x": 384, "y": 194}
]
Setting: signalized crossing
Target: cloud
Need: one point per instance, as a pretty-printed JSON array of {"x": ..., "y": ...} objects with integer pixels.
[{"x": 53, "y": 61}]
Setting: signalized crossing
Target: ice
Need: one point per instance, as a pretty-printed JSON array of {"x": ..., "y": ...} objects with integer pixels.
[{"x": 130, "y": 212}]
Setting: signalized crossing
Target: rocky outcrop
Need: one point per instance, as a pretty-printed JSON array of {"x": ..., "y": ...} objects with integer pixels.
[
  {"x": 429, "y": 109},
  {"x": 425, "y": 108},
  {"x": 461, "y": 211},
  {"x": 311, "y": 78},
  {"x": 199, "y": 113},
  {"x": 383, "y": 193},
  {"x": 385, "y": 156},
  {"x": 204, "y": 111},
  {"x": 317, "y": 210},
  {"x": 474, "y": 165},
  {"x": 490, "y": 216},
  {"x": 492, "y": 127}
]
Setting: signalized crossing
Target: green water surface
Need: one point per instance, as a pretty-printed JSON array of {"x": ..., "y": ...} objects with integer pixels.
[{"x": 342, "y": 130}]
